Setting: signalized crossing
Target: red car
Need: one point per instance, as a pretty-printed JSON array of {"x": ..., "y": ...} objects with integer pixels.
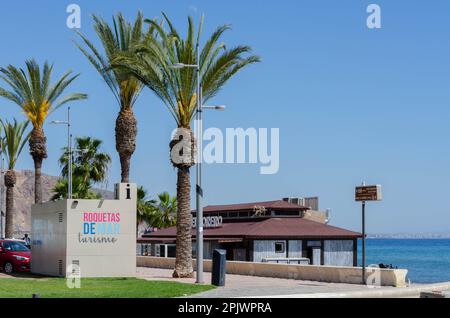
[{"x": 14, "y": 256}]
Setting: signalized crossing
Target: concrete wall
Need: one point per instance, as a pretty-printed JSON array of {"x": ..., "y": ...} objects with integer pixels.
[{"x": 331, "y": 274}]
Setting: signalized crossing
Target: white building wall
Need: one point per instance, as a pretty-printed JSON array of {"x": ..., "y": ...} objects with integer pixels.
[
  {"x": 107, "y": 250},
  {"x": 266, "y": 249},
  {"x": 295, "y": 248},
  {"x": 338, "y": 252}
]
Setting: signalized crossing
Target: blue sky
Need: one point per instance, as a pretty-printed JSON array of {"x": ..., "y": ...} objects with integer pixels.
[{"x": 351, "y": 103}]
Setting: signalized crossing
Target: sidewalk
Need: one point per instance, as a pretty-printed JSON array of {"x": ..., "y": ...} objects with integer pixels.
[{"x": 252, "y": 286}]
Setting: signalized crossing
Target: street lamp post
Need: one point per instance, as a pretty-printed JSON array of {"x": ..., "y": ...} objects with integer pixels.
[
  {"x": 198, "y": 186},
  {"x": 69, "y": 147}
]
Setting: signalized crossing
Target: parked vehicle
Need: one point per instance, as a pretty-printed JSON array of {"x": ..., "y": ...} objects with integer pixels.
[{"x": 14, "y": 256}]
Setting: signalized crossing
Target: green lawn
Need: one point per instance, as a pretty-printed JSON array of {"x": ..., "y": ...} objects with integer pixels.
[{"x": 96, "y": 288}]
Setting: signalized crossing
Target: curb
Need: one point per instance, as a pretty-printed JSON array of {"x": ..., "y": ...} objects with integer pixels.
[{"x": 373, "y": 292}]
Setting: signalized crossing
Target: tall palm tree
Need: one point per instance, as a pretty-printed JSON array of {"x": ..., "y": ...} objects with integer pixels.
[
  {"x": 37, "y": 98},
  {"x": 121, "y": 38},
  {"x": 89, "y": 163},
  {"x": 152, "y": 65},
  {"x": 15, "y": 139}
]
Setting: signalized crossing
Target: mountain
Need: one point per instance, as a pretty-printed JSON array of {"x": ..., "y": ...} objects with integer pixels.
[{"x": 24, "y": 198}]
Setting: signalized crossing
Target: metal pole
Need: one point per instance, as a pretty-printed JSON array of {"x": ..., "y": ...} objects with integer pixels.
[
  {"x": 198, "y": 188},
  {"x": 69, "y": 147},
  {"x": 364, "y": 242}
]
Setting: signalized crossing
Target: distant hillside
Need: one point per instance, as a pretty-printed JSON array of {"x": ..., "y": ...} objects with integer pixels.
[{"x": 24, "y": 197}]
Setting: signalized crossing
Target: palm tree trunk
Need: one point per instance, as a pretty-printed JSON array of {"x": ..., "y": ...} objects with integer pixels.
[
  {"x": 183, "y": 262},
  {"x": 126, "y": 132},
  {"x": 10, "y": 181},
  {"x": 37, "y": 181},
  {"x": 38, "y": 151}
]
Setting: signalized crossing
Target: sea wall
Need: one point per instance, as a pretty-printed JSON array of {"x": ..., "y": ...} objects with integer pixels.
[{"x": 330, "y": 274}]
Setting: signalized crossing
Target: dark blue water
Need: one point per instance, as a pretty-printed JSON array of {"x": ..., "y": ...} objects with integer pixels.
[{"x": 427, "y": 260}]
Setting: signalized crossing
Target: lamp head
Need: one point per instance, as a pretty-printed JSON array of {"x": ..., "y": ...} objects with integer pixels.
[{"x": 177, "y": 66}]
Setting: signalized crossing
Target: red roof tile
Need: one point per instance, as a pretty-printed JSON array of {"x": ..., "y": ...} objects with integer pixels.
[{"x": 276, "y": 227}]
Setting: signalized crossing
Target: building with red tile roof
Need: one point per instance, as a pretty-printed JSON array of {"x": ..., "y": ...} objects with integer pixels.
[{"x": 263, "y": 231}]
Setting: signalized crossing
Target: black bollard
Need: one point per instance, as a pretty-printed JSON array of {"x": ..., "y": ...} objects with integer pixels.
[{"x": 219, "y": 262}]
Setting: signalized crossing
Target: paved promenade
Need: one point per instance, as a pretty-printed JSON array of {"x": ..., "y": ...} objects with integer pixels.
[
  {"x": 252, "y": 286},
  {"x": 247, "y": 286}
]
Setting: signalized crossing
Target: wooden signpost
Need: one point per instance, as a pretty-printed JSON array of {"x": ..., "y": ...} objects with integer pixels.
[
  {"x": 365, "y": 193},
  {"x": 368, "y": 193}
]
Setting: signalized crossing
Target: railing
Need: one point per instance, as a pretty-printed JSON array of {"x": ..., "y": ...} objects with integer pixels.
[{"x": 292, "y": 260}]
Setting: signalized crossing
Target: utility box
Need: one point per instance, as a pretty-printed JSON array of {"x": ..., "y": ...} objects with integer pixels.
[
  {"x": 87, "y": 238},
  {"x": 219, "y": 263}
]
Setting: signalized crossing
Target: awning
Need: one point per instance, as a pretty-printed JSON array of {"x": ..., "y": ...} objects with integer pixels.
[
  {"x": 148, "y": 240},
  {"x": 230, "y": 240},
  {"x": 166, "y": 240}
]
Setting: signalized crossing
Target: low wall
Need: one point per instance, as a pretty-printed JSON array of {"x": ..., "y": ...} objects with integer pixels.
[{"x": 330, "y": 274}]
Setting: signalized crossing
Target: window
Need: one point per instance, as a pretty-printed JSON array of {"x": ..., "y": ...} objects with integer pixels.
[
  {"x": 171, "y": 250},
  {"x": 280, "y": 247},
  {"x": 14, "y": 246},
  {"x": 287, "y": 213}
]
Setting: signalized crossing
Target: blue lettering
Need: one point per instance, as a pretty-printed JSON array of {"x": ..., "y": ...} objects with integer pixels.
[
  {"x": 85, "y": 228},
  {"x": 101, "y": 228},
  {"x": 117, "y": 228}
]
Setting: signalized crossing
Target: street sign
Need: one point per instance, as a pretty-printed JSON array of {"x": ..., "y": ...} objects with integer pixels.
[
  {"x": 365, "y": 193},
  {"x": 368, "y": 193},
  {"x": 208, "y": 221}
]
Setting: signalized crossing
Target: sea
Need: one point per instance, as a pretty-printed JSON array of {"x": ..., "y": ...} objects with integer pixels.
[{"x": 427, "y": 260}]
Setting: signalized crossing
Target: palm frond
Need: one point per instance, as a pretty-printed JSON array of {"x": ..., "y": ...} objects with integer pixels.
[
  {"x": 31, "y": 90},
  {"x": 14, "y": 140},
  {"x": 120, "y": 38}
]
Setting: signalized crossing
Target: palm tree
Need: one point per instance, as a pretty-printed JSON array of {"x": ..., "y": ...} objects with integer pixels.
[
  {"x": 89, "y": 166},
  {"x": 15, "y": 139},
  {"x": 164, "y": 211},
  {"x": 89, "y": 163},
  {"x": 37, "y": 98},
  {"x": 152, "y": 65},
  {"x": 143, "y": 208},
  {"x": 121, "y": 38},
  {"x": 159, "y": 213},
  {"x": 80, "y": 189}
]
